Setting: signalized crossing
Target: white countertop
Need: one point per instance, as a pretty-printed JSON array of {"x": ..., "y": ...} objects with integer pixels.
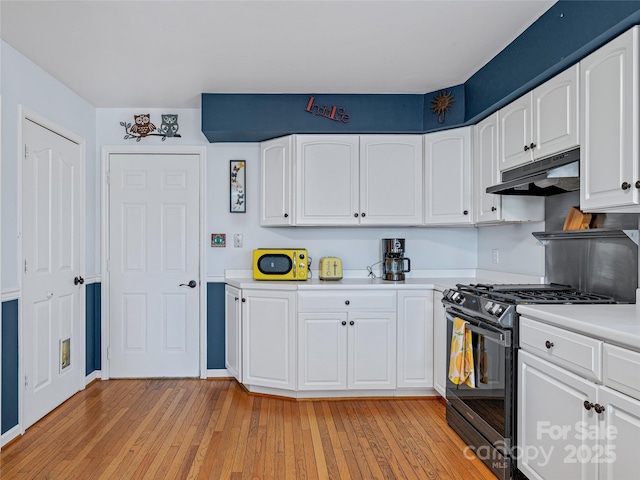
[{"x": 617, "y": 324}]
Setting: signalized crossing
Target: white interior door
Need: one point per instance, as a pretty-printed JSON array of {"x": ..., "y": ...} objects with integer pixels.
[
  {"x": 52, "y": 314},
  {"x": 154, "y": 230}
]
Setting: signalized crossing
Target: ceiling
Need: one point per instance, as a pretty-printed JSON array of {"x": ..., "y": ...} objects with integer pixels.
[{"x": 164, "y": 54}]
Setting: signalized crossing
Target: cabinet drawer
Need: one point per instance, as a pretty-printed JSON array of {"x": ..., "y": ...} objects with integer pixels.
[
  {"x": 347, "y": 300},
  {"x": 621, "y": 370},
  {"x": 575, "y": 352}
]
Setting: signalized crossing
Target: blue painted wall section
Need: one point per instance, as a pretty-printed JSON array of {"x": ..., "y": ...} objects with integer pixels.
[
  {"x": 567, "y": 32},
  {"x": 9, "y": 387},
  {"x": 93, "y": 331},
  {"x": 215, "y": 325}
]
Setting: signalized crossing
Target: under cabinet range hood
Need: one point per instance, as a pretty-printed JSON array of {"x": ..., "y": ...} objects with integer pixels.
[{"x": 548, "y": 176}]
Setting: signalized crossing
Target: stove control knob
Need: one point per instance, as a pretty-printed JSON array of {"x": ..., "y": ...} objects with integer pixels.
[{"x": 499, "y": 310}]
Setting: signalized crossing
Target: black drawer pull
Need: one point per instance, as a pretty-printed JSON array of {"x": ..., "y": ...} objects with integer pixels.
[{"x": 548, "y": 344}]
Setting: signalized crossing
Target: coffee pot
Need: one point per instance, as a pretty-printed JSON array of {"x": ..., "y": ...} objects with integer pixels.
[{"x": 393, "y": 260}]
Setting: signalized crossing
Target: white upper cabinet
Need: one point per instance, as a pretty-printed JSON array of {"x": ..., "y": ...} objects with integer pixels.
[
  {"x": 540, "y": 123},
  {"x": 489, "y": 207},
  {"x": 391, "y": 179},
  {"x": 447, "y": 177},
  {"x": 609, "y": 155},
  {"x": 358, "y": 180},
  {"x": 327, "y": 177},
  {"x": 276, "y": 163}
]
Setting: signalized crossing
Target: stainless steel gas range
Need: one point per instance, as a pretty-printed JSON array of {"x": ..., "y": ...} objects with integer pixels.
[{"x": 481, "y": 403}]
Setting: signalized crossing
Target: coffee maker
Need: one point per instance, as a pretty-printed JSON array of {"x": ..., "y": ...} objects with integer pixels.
[{"x": 393, "y": 259}]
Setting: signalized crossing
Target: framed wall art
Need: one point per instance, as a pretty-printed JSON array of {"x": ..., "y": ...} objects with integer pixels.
[{"x": 238, "y": 178}]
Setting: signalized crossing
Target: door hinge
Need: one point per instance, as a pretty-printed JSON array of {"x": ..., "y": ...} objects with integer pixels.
[
  {"x": 108, "y": 353},
  {"x": 26, "y": 269},
  {"x": 26, "y": 151},
  {"x": 26, "y": 382},
  {"x": 108, "y": 178},
  {"x": 108, "y": 265}
]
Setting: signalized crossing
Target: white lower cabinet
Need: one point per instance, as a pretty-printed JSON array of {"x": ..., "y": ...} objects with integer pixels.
[
  {"x": 415, "y": 338},
  {"x": 348, "y": 349},
  {"x": 232, "y": 331},
  {"x": 439, "y": 345},
  {"x": 570, "y": 426},
  {"x": 269, "y": 338}
]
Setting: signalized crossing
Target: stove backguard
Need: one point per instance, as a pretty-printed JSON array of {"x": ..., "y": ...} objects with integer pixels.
[{"x": 608, "y": 266}]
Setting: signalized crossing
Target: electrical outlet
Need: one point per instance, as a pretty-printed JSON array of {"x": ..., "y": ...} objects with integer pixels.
[
  {"x": 496, "y": 256},
  {"x": 237, "y": 240}
]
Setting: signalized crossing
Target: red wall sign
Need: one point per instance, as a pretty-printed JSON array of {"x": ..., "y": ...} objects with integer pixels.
[{"x": 337, "y": 114}]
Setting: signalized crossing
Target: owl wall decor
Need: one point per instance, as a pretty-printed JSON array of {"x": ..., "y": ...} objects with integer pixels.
[
  {"x": 142, "y": 127},
  {"x": 169, "y": 126}
]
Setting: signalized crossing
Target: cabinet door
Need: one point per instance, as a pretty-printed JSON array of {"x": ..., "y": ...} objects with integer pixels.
[
  {"x": 275, "y": 182},
  {"x": 371, "y": 351},
  {"x": 447, "y": 175},
  {"x": 552, "y": 419},
  {"x": 555, "y": 113},
  {"x": 609, "y": 126},
  {"x": 327, "y": 179},
  {"x": 232, "y": 332},
  {"x": 415, "y": 339},
  {"x": 322, "y": 351},
  {"x": 515, "y": 133},
  {"x": 486, "y": 174},
  {"x": 440, "y": 341},
  {"x": 391, "y": 180},
  {"x": 620, "y": 436},
  {"x": 269, "y": 348}
]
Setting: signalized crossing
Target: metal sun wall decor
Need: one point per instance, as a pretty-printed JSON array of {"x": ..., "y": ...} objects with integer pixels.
[
  {"x": 441, "y": 104},
  {"x": 142, "y": 127},
  {"x": 237, "y": 177}
]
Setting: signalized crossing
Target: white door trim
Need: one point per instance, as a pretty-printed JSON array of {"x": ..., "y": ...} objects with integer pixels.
[
  {"x": 27, "y": 114},
  {"x": 106, "y": 151}
]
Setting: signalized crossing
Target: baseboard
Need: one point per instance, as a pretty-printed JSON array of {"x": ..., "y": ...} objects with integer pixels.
[
  {"x": 92, "y": 377},
  {"x": 10, "y": 435},
  {"x": 218, "y": 373}
]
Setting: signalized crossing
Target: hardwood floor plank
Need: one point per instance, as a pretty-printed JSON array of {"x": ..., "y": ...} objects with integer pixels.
[{"x": 177, "y": 429}]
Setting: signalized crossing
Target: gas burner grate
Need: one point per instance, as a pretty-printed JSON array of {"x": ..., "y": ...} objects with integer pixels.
[{"x": 535, "y": 293}]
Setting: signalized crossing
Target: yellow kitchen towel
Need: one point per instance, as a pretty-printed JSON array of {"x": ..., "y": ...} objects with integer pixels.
[{"x": 461, "y": 358}]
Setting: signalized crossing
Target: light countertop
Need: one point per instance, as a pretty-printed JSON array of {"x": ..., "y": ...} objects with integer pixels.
[{"x": 617, "y": 324}]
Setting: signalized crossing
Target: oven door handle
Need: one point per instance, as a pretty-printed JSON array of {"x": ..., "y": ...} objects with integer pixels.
[{"x": 503, "y": 339}]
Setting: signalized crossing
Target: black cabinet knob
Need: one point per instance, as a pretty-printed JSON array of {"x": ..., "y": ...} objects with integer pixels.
[
  {"x": 78, "y": 281},
  {"x": 244, "y": 300},
  {"x": 625, "y": 186},
  {"x": 236, "y": 299},
  {"x": 548, "y": 344},
  {"x": 286, "y": 215},
  {"x": 466, "y": 212},
  {"x": 344, "y": 322},
  {"x": 347, "y": 302},
  {"x": 532, "y": 146},
  {"x": 598, "y": 408},
  {"x": 363, "y": 215},
  {"x": 638, "y": 184},
  {"x": 587, "y": 405},
  {"x": 526, "y": 148},
  {"x": 355, "y": 215},
  {"x": 493, "y": 209},
  {"x": 352, "y": 322}
]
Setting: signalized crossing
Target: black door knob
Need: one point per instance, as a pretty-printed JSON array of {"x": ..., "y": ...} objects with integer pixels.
[
  {"x": 191, "y": 284},
  {"x": 78, "y": 281}
]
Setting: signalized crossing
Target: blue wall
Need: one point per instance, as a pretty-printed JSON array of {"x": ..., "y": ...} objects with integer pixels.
[
  {"x": 93, "y": 331},
  {"x": 215, "y": 325},
  {"x": 9, "y": 388},
  {"x": 567, "y": 32}
]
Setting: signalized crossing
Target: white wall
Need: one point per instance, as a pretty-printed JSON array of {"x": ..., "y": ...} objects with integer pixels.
[
  {"x": 518, "y": 250},
  {"x": 428, "y": 248},
  {"x": 24, "y": 83}
]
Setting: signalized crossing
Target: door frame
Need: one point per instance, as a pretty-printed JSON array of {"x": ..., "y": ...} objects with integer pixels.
[
  {"x": 25, "y": 114},
  {"x": 106, "y": 151}
]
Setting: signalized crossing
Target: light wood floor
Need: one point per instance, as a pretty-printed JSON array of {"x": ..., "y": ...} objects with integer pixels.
[{"x": 189, "y": 428}]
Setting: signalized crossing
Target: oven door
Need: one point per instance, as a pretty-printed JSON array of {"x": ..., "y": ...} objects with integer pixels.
[{"x": 488, "y": 406}]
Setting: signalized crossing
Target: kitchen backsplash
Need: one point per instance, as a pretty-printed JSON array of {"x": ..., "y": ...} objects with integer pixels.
[{"x": 607, "y": 266}]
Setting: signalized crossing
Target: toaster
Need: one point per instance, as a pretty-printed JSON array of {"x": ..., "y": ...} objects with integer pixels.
[{"x": 330, "y": 268}]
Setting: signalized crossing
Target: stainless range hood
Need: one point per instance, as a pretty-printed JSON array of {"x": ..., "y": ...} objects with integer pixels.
[{"x": 548, "y": 176}]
